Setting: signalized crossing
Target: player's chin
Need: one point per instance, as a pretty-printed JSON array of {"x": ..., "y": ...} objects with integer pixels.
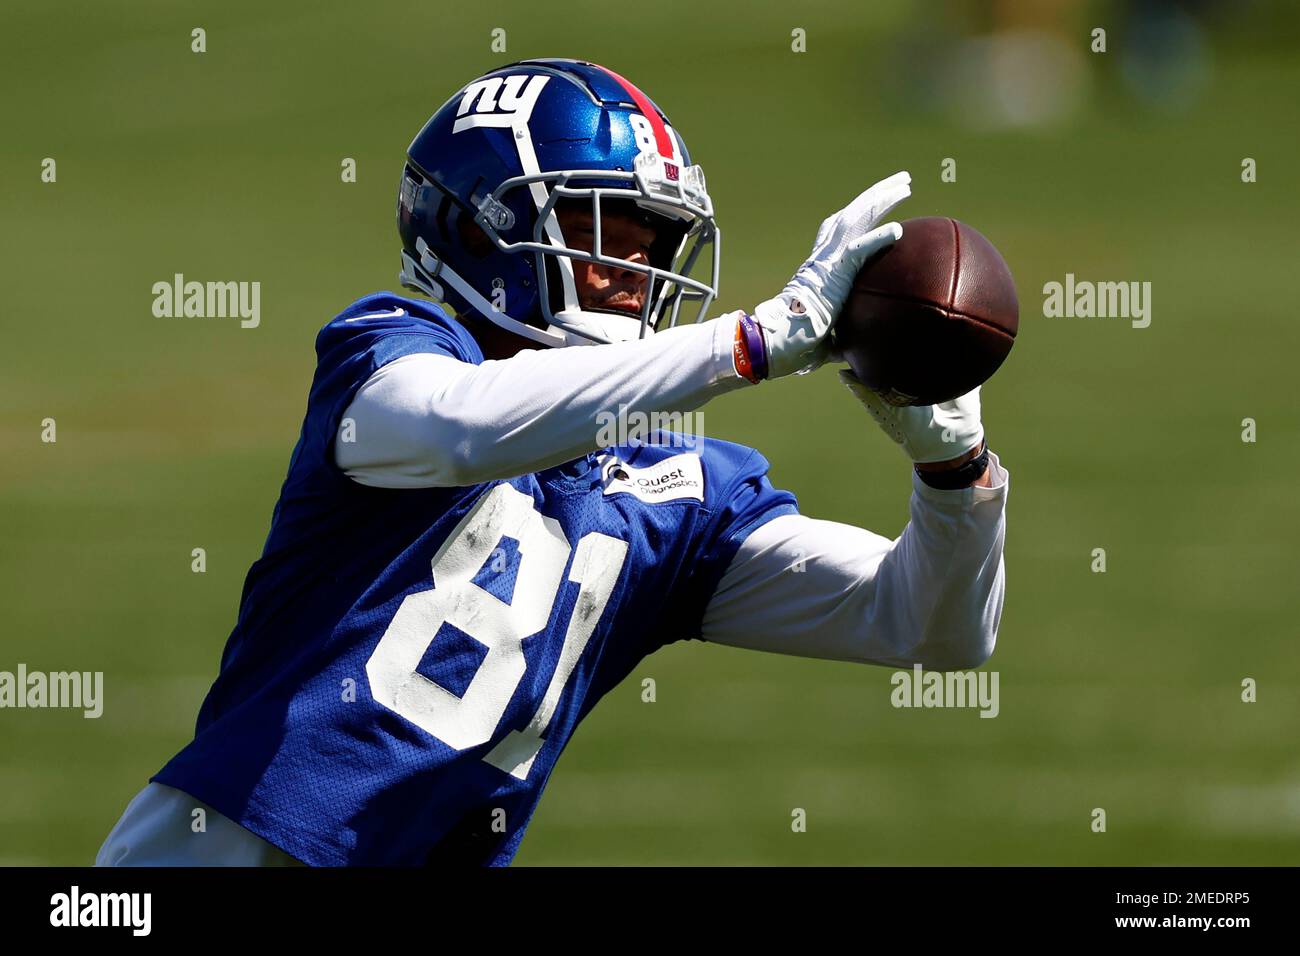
[
  {"x": 619, "y": 324},
  {"x": 620, "y": 312}
]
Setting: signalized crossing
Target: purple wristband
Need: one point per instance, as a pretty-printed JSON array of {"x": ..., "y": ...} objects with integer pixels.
[{"x": 755, "y": 345}]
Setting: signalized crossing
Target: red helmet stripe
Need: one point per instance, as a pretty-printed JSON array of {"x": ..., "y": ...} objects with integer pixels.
[{"x": 662, "y": 139}]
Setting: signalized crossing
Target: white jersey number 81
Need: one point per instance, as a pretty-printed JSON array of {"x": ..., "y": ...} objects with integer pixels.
[{"x": 470, "y": 719}]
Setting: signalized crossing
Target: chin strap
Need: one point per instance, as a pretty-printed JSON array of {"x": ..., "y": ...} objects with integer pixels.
[{"x": 424, "y": 276}]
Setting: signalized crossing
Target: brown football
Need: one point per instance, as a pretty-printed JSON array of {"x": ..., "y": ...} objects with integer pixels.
[{"x": 932, "y": 316}]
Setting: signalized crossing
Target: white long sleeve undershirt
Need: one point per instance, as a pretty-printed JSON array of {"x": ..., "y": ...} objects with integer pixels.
[
  {"x": 427, "y": 421},
  {"x": 933, "y": 596},
  {"x": 797, "y": 585}
]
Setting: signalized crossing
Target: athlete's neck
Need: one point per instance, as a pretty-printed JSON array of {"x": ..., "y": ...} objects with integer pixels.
[{"x": 494, "y": 341}]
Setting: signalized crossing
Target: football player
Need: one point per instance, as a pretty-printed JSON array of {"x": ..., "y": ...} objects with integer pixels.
[{"x": 460, "y": 564}]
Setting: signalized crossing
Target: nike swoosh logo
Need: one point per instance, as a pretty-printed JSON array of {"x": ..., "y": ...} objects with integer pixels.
[{"x": 377, "y": 315}]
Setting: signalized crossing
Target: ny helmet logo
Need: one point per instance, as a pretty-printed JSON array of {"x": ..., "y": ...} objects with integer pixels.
[{"x": 499, "y": 101}]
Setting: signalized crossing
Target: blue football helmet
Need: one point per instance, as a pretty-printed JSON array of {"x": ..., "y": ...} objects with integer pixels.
[{"x": 476, "y": 208}]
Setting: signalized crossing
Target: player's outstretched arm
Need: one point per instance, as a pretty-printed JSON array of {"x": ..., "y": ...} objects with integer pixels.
[
  {"x": 932, "y": 597},
  {"x": 430, "y": 420}
]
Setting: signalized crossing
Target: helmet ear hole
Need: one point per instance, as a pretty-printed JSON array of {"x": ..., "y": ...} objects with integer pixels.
[{"x": 472, "y": 237}]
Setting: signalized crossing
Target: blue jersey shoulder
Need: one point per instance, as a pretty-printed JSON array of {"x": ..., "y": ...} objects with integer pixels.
[
  {"x": 370, "y": 333},
  {"x": 391, "y": 325}
]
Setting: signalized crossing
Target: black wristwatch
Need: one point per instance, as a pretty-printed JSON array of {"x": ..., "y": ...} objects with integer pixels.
[{"x": 959, "y": 477}]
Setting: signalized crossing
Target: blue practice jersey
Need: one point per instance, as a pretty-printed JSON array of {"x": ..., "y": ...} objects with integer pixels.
[{"x": 408, "y": 665}]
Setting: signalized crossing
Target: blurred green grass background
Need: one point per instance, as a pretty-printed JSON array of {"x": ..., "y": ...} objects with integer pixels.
[{"x": 1118, "y": 690}]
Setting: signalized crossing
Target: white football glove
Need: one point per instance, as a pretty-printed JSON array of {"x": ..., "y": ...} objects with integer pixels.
[
  {"x": 927, "y": 433},
  {"x": 795, "y": 323}
]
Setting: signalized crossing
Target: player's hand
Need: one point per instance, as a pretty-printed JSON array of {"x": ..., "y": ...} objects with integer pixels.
[
  {"x": 795, "y": 323},
  {"x": 927, "y": 433}
]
